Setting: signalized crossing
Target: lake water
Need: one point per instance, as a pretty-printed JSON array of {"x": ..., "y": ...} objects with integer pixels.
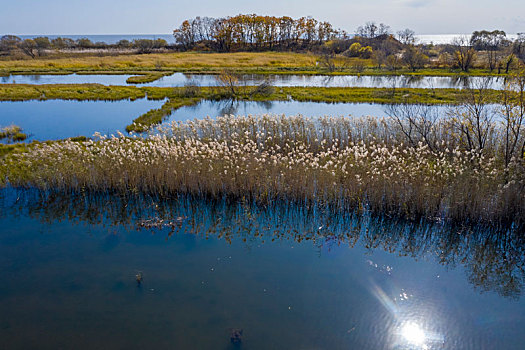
[
  {"x": 58, "y": 119},
  {"x": 104, "y": 79},
  {"x": 309, "y": 109},
  {"x": 424, "y": 82},
  {"x": 180, "y": 79},
  {"x": 289, "y": 279}
]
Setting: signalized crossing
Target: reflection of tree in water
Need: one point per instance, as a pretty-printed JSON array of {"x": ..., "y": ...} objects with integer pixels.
[
  {"x": 267, "y": 105},
  {"x": 494, "y": 259},
  {"x": 460, "y": 81},
  {"x": 391, "y": 81},
  {"x": 235, "y": 107},
  {"x": 466, "y": 82},
  {"x": 256, "y": 79},
  {"x": 326, "y": 80},
  {"x": 413, "y": 80},
  {"x": 227, "y": 107},
  {"x": 35, "y": 78}
]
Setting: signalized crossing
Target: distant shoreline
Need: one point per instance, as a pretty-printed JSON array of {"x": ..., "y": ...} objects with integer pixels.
[{"x": 114, "y": 38}]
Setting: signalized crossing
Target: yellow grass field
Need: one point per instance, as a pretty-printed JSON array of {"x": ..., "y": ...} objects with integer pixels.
[{"x": 167, "y": 61}]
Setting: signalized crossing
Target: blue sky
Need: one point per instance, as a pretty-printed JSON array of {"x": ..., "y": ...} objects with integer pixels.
[{"x": 161, "y": 16}]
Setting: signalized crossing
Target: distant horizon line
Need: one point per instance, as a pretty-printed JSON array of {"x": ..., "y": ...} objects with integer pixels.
[{"x": 33, "y": 34}]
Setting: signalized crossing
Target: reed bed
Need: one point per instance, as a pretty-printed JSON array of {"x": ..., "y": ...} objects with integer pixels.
[{"x": 362, "y": 164}]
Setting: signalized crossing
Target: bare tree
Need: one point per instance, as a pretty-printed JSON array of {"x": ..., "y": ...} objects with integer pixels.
[
  {"x": 372, "y": 30},
  {"x": 473, "y": 118},
  {"x": 513, "y": 117},
  {"x": 407, "y": 36},
  {"x": 416, "y": 122},
  {"x": 464, "y": 54},
  {"x": 229, "y": 80}
]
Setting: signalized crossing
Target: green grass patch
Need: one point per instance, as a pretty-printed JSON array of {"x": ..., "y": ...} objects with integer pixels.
[
  {"x": 12, "y": 133},
  {"x": 146, "y": 78},
  {"x": 81, "y": 92},
  {"x": 156, "y": 116}
]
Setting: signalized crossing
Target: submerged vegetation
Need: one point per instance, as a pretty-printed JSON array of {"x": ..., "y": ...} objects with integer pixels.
[{"x": 363, "y": 164}]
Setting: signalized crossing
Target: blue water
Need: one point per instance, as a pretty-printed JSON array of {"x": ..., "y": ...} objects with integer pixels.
[
  {"x": 58, "y": 119},
  {"x": 115, "y": 79},
  {"x": 309, "y": 109},
  {"x": 180, "y": 79},
  {"x": 288, "y": 278}
]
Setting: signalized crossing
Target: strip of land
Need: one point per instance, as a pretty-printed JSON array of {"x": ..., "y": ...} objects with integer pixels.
[{"x": 159, "y": 64}]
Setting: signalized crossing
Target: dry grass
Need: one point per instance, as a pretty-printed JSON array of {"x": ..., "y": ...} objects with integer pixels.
[
  {"x": 166, "y": 61},
  {"x": 362, "y": 164}
]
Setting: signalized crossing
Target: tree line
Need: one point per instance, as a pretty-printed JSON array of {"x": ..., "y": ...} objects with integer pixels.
[
  {"x": 39, "y": 46},
  {"x": 254, "y": 32},
  {"x": 492, "y": 50}
]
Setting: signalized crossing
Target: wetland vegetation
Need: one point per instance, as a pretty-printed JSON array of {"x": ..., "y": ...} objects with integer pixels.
[
  {"x": 438, "y": 171},
  {"x": 12, "y": 133},
  {"x": 252, "y": 216}
]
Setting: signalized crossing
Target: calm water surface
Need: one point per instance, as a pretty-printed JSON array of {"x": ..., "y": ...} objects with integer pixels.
[
  {"x": 289, "y": 279},
  {"x": 58, "y": 119},
  {"x": 180, "y": 79},
  {"x": 104, "y": 79},
  {"x": 309, "y": 109}
]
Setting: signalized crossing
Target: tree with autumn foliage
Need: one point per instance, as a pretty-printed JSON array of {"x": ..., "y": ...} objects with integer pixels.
[{"x": 254, "y": 32}]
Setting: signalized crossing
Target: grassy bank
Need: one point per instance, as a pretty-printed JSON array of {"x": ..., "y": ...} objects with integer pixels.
[
  {"x": 23, "y": 92},
  {"x": 81, "y": 92},
  {"x": 214, "y": 63},
  {"x": 156, "y": 116},
  {"x": 146, "y": 78},
  {"x": 363, "y": 164}
]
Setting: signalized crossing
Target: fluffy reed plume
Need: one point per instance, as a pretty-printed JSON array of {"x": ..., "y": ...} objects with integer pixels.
[{"x": 345, "y": 163}]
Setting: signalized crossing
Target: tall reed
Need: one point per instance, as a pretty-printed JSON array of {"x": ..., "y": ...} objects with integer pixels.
[{"x": 363, "y": 164}]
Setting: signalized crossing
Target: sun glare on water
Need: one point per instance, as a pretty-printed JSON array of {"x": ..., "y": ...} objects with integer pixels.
[{"x": 414, "y": 334}]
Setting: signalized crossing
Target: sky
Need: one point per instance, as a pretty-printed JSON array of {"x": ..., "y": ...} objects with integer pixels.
[{"x": 25, "y": 17}]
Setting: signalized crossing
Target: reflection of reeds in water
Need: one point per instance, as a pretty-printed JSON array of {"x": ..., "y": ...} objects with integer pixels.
[
  {"x": 362, "y": 164},
  {"x": 494, "y": 259}
]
